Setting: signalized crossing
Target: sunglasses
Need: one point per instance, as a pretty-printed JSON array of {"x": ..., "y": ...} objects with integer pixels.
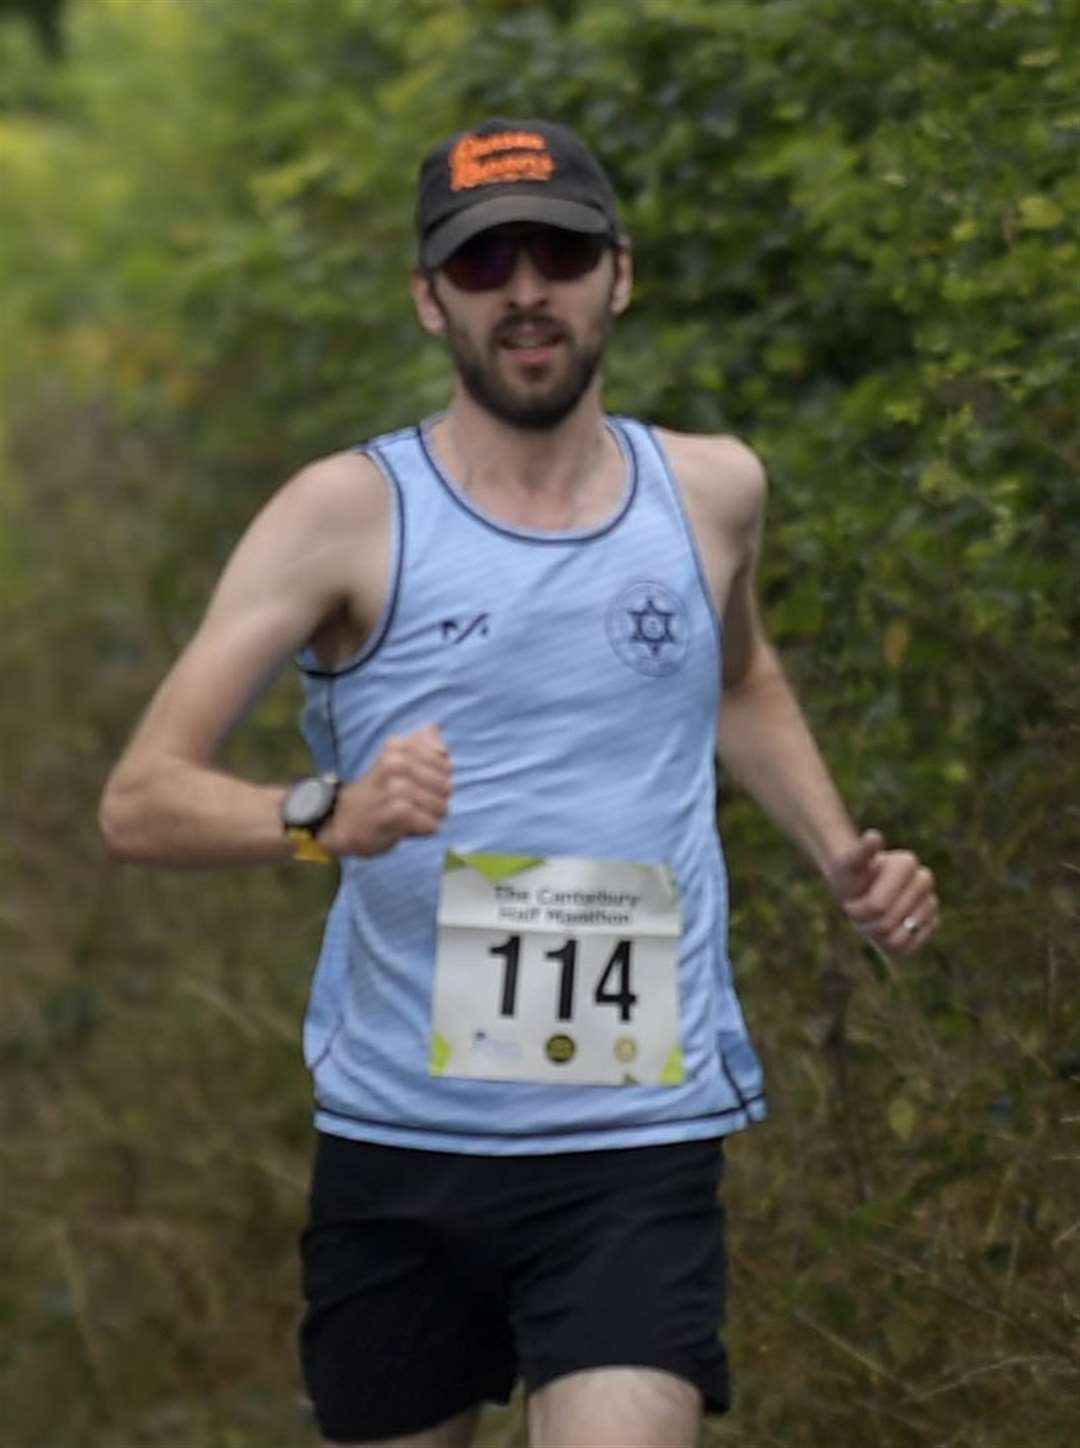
[{"x": 489, "y": 260}]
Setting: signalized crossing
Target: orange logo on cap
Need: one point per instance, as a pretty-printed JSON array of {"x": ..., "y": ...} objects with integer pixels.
[{"x": 506, "y": 156}]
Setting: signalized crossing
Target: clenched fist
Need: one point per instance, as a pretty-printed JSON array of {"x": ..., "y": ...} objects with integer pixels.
[
  {"x": 405, "y": 793},
  {"x": 888, "y": 895}
]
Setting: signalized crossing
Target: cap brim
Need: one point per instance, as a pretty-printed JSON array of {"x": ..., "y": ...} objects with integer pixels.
[{"x": 499, "y": 211}]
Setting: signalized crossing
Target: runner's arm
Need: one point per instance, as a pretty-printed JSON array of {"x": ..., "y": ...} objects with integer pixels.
[
  {"x": 763, "y": 738},
  {"x": 164, "y": 802}
]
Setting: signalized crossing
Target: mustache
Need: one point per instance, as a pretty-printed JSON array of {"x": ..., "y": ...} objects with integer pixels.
[{"x": 537, "y": 318}]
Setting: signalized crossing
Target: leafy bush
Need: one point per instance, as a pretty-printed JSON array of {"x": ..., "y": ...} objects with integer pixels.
[{"x": 855, "y": 233}]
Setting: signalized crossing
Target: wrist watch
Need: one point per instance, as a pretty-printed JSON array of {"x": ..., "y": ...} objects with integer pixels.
[{"x": 304, "y": 810}]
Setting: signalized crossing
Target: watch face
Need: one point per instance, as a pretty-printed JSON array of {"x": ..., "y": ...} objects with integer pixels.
[{"x": 309, "y": 802}]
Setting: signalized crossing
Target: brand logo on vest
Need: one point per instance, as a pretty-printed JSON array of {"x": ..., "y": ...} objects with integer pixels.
[
  {"x": 648, "y": 628},
  {"x": 505, "y": 156},
  {"x": 456, "y": 630}
]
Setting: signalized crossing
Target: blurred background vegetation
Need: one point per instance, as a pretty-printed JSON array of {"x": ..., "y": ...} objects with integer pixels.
[{"x": 856, "y": 236}]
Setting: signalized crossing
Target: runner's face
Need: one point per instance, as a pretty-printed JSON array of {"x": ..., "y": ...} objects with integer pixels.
[{"x": 528, "y": 349}]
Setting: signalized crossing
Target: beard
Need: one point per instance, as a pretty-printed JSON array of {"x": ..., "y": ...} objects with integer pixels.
[{"x": 535, "y": 407}]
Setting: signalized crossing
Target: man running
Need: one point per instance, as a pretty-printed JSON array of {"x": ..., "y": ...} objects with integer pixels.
[{"x": 515, "y": 623}]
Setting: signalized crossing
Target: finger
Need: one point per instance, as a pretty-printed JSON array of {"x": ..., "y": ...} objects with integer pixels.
[
  {"x": 431, "y": 776},
  {"x": 871, "y": 843},
  {"x": 857, "y": 866},
  {"x": 423, "y": 743},
  {"x": 421, "y": 815},
  {"x": 427, "y": 822},
  {"x": 429, "y": 739},
  {"x": 910, "y": 903},
  {"x": 420, "y": 789},
  {"x": 405, "y": 816},
  {"x": 904, "y": 941},
  {"x": 895, "y": 875},
  {"x": 431, "y": 803},
  {"x": 405, "y": 758}
]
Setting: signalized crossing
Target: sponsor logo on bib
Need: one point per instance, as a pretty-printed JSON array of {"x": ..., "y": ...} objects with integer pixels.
[{"x": 560, "y": 1048}]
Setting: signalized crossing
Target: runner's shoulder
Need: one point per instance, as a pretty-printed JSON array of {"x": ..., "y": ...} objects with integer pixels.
[
  {"x": 330, "y": 504},
  {"x": 346, "y": 485},
  {"x": 718, "y": 473}
]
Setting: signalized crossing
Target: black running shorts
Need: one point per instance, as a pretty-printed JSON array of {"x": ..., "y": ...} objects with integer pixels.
[{"x": 433, "y": 1280}]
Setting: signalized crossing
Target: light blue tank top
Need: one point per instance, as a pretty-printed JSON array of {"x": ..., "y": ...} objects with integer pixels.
[{"x": 575, "y": 677}]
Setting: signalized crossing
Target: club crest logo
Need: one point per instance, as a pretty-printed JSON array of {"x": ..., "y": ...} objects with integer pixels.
[{"x": 648, "y": 628}]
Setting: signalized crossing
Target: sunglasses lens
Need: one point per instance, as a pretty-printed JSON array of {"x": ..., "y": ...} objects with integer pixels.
[
  {"x": 564, "y": 256},
  {"x": 488, "y": 260},
  {"x": 485, "y": 262}
]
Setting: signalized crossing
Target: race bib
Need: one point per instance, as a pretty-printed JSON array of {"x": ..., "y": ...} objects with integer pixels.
[{"x": 557, "y": 970}]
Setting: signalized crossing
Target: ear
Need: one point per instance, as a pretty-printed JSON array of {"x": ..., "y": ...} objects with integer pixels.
[
  {"x": 622, "y": 284},
  {"x": 428, "y": 307}
]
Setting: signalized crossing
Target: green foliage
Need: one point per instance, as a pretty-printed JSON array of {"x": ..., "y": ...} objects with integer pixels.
[
  {"x": 44, "y": 19},
  {"x": 855, "y": 234}
]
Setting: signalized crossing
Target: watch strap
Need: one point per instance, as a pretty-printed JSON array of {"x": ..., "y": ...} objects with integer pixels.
[{"x": 306, "y": 847}]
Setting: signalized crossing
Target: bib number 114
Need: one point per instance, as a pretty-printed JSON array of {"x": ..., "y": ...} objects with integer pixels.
[{"x": 613, "y": 985}]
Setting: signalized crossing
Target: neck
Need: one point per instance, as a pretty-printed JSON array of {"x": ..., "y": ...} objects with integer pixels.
[{"x": 491, "y": 458}]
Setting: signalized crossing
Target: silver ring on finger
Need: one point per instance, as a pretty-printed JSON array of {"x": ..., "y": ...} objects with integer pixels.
[{"x": 910, "y": 924}]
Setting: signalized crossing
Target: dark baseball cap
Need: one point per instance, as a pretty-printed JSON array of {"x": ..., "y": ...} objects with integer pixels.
[{"x": 510, "y": 170}]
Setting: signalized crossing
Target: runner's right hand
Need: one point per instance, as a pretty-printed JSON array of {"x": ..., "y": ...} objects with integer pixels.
[{"x": 405, "y": 793}]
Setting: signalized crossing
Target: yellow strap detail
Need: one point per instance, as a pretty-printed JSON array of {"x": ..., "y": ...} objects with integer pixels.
[{"x": 306, "y": 847}]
